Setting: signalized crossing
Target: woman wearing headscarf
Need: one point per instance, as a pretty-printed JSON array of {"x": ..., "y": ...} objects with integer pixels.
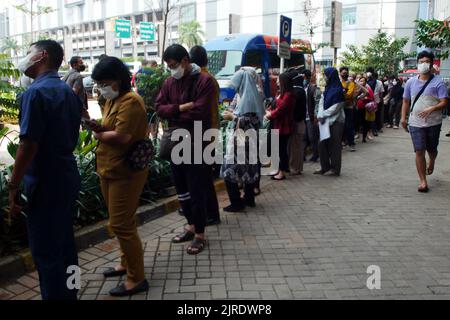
[
  {"x": 331, "y": 112},
  {"x": 247, "y": 115}
]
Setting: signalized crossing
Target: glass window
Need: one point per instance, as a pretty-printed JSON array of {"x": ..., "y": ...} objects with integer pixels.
[
  {"x": 187, "y": 13},
  {"x": 349, "y": 16},
  {"x": 253, "y": 58},
  {"x": 138, "y": 18},
  {"x": 224, "y": 64}
]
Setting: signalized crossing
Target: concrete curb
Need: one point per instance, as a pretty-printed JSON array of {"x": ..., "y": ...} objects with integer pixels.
[{"x": 13, "y": 267}]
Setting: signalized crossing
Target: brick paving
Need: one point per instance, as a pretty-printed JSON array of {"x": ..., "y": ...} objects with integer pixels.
[{"x": 310, "y": 237}]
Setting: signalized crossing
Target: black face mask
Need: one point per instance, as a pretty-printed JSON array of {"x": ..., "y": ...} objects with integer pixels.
[
  {"x": 82, "y": 68},
  {"x": 345, "y": 77}
]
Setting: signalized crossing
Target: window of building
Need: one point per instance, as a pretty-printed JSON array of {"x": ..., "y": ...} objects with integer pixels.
[
  {"x": 150, "y": 17},
  {"x": 159, "y": 15},
  {"x": 101, "y": 25},
  {"x": 138, "y": 18},
  {"x": 349, "y": 16},
  {"x": 187, "y": 13}
]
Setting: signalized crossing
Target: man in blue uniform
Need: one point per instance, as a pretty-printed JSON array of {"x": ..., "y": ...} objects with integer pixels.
[{"x": 50, "y": 116}]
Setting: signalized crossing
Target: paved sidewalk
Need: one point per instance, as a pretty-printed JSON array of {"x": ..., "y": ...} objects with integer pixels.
[{"x": 310, "y": 237}]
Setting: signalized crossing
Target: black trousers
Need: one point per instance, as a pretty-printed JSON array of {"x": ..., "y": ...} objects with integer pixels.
[
  {"x": 212, "y": 206},
  {"x": 235, "y": 194},
  {"x": 284, "y": 157},
  {"x": 192, "y": 182}
]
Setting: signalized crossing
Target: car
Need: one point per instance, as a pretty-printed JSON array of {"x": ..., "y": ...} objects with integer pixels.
[{"x": 89, "y": 86}]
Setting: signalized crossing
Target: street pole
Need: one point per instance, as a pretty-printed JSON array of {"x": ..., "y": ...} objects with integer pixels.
[
  {"x": 281, "y": 65},
  {"x": 335, "y": 57}
]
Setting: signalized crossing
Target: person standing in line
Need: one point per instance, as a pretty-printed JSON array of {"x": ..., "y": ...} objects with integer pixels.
[
  {"x": 124, "y": 124},
  {"x": 395, "y": 104},
  {"x": 366, "y": 117},
  {"x": 246, "y": 116},
  {"x": 424, "y": 99},
  {"x": 185, "y": 98},
  {"x": 199, "y": 56},
  {"x": 349, "y": 92},
  {"x": 282, "y": 118},
  {"x": 50, "y": 118},
  {"x": 331, "y": 110},
  {"x": 313, "y": 95},
  {"x": 75, "y": 80},
  {"x": 296, "y": 144},
  {"x": 379, "y": 114}
]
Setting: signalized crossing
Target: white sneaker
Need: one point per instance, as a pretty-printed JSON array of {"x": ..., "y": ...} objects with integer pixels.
[{"x": 396, "y": 127}]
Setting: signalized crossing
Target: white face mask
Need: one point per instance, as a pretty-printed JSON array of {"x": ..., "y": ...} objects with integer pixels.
[
  {"x": 109, "y": 93},
  {"x": 423, "y": 68},
  {"x": 394, "y": 83},
  {"x": 177, "y": 73},
  {"x": 26, "y": 63}
]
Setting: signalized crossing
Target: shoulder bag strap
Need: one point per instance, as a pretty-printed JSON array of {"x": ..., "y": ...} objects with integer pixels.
[{"x": 421, "y": 92}]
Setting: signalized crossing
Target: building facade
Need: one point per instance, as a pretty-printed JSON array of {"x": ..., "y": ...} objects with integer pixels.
[{"x": 86, "y": 27}]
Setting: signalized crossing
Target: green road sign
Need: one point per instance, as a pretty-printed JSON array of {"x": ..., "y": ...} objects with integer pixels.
[
  {"x": 147, "y": 31},
  {"x": 123, "y": 29}
]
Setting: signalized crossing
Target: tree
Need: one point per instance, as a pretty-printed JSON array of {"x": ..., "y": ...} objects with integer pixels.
[
  {"x": 9, "y": 46},
  {"x": 434, "y": 34},
  {"x": 166, "y": 6},
  {"x": 383, "y": 52},
  {"x": 8, "y": 103},
  {"x": 309, "y": 27},
  {"x": 33, "y": 13},
  {"x": 190, "y": 34}
]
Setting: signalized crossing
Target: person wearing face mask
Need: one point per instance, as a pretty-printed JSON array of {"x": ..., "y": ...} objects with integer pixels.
[
  {"x": 50, "y": 118},
  {"x": 75, "y": 80},
  {"x": 424, "y": 99},
  {"x": 313, "y": 95},
  {"x": 124, "y": 123},
  {"x": 395, "y": 103},
  {"x": 185, "y": 98},
  {"x": 331, "y": 109},
  {"x": 349, "y": 91}
]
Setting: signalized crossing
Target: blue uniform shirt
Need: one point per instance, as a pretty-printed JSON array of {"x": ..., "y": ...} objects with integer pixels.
[{"x": 50, "y": 115}]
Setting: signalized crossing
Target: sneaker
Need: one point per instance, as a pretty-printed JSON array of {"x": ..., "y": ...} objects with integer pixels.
[
  {"x": 352, "y": 148},
  {"x": 389, "y": 126},
  {"x": 356, "y": 136},
  {"x": 396, "y": 127}
]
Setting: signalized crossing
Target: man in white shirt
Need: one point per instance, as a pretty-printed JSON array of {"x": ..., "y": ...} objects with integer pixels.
[{"x": 379, "y": 90}]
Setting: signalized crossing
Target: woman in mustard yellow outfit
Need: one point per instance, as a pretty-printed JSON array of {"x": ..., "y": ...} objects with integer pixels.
[{"x": 124, "y": 123}]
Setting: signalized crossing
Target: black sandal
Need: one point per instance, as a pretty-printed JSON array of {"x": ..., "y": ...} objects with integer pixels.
[
  {"x": 198, "y": 245},
  {"x": 184, "y": 237}
]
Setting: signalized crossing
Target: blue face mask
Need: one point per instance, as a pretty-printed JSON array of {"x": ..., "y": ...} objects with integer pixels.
[{"x": 305, "y": 83}]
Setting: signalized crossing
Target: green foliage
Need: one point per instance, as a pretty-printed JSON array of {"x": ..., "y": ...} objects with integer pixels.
[
  {"x": 90, "y": 206},
  {"x": 131, "y": 59},
  {"x": 8, "y": 103},
  {"x": 149, "y": 84},
  {"x": 434, "y": 34},
  {"x": 191, "y": 34},
  {"x": 13, "y": 234},
  {"x": 8, "y": 45},
  {"x": 383, "y": 52}
]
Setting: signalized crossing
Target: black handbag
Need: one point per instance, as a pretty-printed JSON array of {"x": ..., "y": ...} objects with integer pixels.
[
  {"x": 140, "y": 154},
  {"x": 166, "y": 145}
]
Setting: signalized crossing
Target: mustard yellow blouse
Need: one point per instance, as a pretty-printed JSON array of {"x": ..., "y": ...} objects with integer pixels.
[{"x": 126, "y": 115}]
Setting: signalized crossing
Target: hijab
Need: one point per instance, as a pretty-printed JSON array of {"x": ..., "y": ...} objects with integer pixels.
[
  {"x": 250, "y": 99},
  {"x": 334, "y": 92}
]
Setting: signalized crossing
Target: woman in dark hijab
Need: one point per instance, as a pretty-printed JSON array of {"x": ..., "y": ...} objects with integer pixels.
[{"x": 331, "y": 115}]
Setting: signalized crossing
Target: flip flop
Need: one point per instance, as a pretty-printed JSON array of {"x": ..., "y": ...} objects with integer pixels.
[
  {"x": 198, "y": 245},
  {"x": 430, "y": 171},
  {"x": 278, "y": 179},
  {"x": 184, "y": 237}
]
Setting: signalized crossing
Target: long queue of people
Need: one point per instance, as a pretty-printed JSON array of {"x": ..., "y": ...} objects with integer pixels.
[{"x": 52, "y": 112}]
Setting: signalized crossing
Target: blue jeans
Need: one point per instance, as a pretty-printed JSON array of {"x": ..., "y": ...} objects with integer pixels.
[{"x": 349, "y": 132}]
